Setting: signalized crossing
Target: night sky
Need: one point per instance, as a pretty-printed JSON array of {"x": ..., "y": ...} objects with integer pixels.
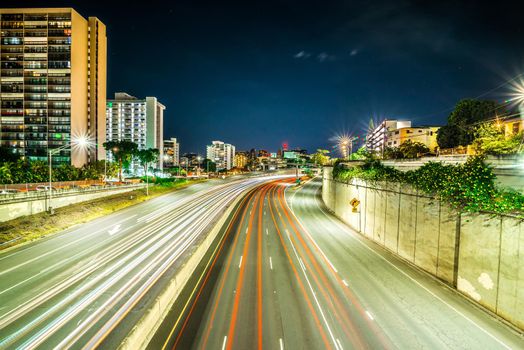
[{"x": 256, "y": 74}]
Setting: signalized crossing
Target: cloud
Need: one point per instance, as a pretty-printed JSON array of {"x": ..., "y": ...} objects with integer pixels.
[
  {"x": 324, "y": 57},
  {"x": 354, "y": 52},
  {"x": 302, "y": 54},
  {"x": 321, "y": 57}
]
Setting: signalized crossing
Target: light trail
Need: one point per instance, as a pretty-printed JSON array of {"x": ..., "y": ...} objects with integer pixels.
[{"x": 126, "y": 267}]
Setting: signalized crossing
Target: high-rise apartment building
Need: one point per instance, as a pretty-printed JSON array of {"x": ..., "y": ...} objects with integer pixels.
[
  {"x": 241, "y": 160},
  {"x": 171, "y": 153},
  {"x": 137, "y": 120},
  {"x": 53, "y": 83},
  {"x": 223, "y": 154},
  {"x": 377, "y": 136}
]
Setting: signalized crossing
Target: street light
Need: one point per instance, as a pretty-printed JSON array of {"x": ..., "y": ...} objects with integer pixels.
[
  {"x": 198, "y": 171},
  {"x": 81, "y": 142}
]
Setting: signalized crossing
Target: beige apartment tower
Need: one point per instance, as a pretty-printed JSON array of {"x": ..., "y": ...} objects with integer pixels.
[{"x": 53, "y": 83}]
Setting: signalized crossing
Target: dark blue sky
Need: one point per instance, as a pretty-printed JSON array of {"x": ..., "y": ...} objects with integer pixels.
[{"x": 258, "y": 73}]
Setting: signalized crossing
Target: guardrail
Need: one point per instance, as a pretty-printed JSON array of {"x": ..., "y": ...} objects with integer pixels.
[{"x": 59, "y": 192}]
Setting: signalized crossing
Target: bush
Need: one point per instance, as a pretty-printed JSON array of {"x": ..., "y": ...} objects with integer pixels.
[{"x": 467, "y": 187}]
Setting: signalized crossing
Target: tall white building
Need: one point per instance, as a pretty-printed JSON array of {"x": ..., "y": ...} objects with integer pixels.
[
  {"x": 137, "y": 120},
  {"x": 377, "y": 137},
  {"x": 223, "y": 154},
  {"x": 171, "y": 152}
]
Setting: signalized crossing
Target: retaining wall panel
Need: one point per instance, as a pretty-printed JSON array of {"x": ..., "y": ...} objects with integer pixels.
[
  {"x": 427, "y": 234},
  {"x": 391, "y": 227},
  {"x": 407, "y": 225},
  {"x": 447, "y": 237},
  {"x": 479, "y": 258},
  {"x": 510, "y": 299}
]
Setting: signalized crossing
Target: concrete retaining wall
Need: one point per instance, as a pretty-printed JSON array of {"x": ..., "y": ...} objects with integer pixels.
[
  {"x": 34, "y": 205},
  {"x": 481, "y": 255}
]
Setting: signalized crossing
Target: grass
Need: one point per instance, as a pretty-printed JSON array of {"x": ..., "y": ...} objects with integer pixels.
[{"x": 29, "y": 228}]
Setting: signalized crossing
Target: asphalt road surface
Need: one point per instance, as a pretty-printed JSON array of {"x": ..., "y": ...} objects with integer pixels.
[
  {"x": 289, "y": 275},
  {"x": 87, "y": 286}
]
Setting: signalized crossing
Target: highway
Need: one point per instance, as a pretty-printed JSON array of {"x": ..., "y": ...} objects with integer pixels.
[
  {"x": 289, "y": 275},
  {"x": 87, "y": 286}
]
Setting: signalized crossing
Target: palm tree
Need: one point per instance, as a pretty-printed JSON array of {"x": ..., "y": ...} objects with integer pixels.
[
  {"x": 122, "y": 151},
  {"x": 146, "y": 156}
]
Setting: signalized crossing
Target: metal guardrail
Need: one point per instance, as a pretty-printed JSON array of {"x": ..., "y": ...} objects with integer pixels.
[{"x": 36, "y": 195}]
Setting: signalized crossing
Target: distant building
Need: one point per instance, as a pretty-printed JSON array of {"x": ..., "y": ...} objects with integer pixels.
[
  {"x": 53, "y": 81},
  {"x": 171, "y": 153},
  {"x": 137, "y": 120},
  {"x": 241, "y": 160},
  {"x": 426, "y": 135},
  {"x": 222, "y": 154},
  {"x": 263, "y": 153},
  {"x": 300, "y": 151},
  {"x": 513, "y": 126},
  {"x": 376, "y": 138}
]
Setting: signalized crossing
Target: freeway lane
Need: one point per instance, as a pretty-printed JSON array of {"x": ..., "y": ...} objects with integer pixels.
[
  {"x": 309, "y": 282},
  {"x": 87, "y": 286}
]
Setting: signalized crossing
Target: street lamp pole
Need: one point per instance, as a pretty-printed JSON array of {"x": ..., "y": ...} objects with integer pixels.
[
  {"x": 82, "y": 142},
  {"x": 51, "y": 152},
  {"x": 147, "y": 181}
]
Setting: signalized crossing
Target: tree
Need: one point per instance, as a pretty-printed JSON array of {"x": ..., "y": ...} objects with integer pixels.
[
  {"x": 147, "y": 156},
  {"x": 412, "y": 149},
  {"x": 209, "y": 165},
  {"x": 463, "y": 121},
  {"x": 448, "y": 136},
  {"x": 320, "y": 157},
  {"x": 490, "y": 139},
  {"x": 393, "y": 153},
  {"x": 361, "y": 154},
  {"x": 122, "y": 151},
  {"x": 7, "y": 155},
  {"x": 5, "y": 173}
]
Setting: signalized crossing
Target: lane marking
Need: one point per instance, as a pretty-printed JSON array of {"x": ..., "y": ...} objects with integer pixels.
[
  {"x": 224, "y": 342},
  {"x": 369, "y": 315},
  {"x": 302, "y": 264},
  {"x": 339, "y": 343},
  {"x": 357, "y": 237},
  {"x": 314, "y": 295},
  {"x": 270, "y": 263},
  {"x": 345, "y": 283},
  {"x": 240, "y": 264},
  {"x": 114, "y": 230},
  {"x": 281, "y": 344},
  {"x": 267, "y": 232},
  {"x": 247, "y": 229}
]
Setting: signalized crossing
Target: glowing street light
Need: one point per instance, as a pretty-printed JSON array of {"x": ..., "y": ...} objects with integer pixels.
[{"x": 79, "y": 143}]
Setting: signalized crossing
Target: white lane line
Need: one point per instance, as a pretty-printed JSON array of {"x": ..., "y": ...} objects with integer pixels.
[
  {"x": 224, "y": 342},
  {"x": 345, "y": 283},
  {"x": 302, "y": 264},
  {"x": 264, "y": 212},
  {"x": 240, "y": 263},
  {"x": 114, "y": 230},
  {"x": 270, "y": 263},
  {"x": 369, "y": 315},
  {"x": 247, "y": 229},
  {"x": 281, "y": 344},
  {"x": 314, "y": 296},
  {"x": 267, "y": 232},
  {"x": 339, "y": 343},
  {"x": 357, "y": 238}
]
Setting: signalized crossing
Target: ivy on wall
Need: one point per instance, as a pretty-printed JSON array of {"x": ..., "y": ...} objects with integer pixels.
[{"x": 467, "y": 187}]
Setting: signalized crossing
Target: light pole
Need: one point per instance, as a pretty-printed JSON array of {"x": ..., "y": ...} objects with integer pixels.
[
  {"x": 80, "y": 142},
  {"x": 198, "y": 170}
]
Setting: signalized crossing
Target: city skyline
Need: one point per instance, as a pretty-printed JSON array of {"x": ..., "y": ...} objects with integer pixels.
[{"x": 281, "y": 70}]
